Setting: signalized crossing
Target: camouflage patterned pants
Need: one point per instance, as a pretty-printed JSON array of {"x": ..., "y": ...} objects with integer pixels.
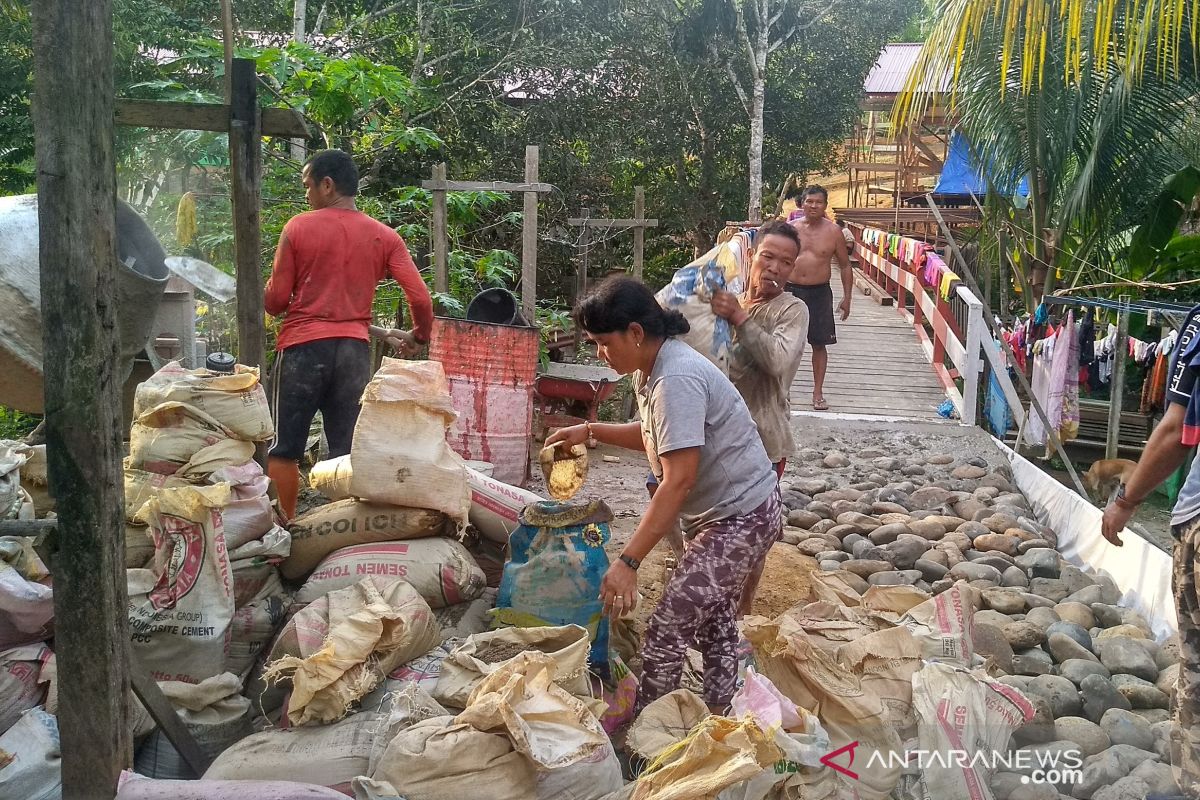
[
  {"x": 1185, "y": 749},
  {"x": 699, "y": 604}
]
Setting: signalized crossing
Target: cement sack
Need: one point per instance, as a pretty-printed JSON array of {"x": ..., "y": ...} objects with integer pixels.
[
  {"x": 30, "y": 759},
  {"x": 176, "y": 439},
  {"x": 179, "y": 612},
  {"x": 717, "y": 754},
  {"x": 340, "y": 647},
  {"x": 236, "y": 400},
  {"x": 467, "y": 619},
  {"x": 407, "y": 705},
  {"x": 942, "y": 625},
  {"x": 26, "y": 597},
  {"x": 213, "y": 711},
  {"x": 400, "y": 454},
  {"x": 254, "y": 564},
  {"x": 254, "y": 625},
  {"x": 325, "y": 755},
  {"x": 140, "y": 486},
  {"x": 854, "y": 717},
  {"x": 332, "y": 477},
  {"x": 957, "y": 710},
  {"x": 885, "y": 662},
  {"x": 349, "y": 522},
  {"x": 424, "y": 670},
  {"x": 690, "y": 292},
  {"x": 35, "y": 480},
  {"x": 132, "y": 786},
  {"x": 441, "y": 570},
  {"x": 139, "y": 547},
  {"x": 21, "y": 681},
  {"x": 13, "y": 456},
  {"x": 249, "y": 514},
  {"x": 496, "y": 506},
  {"x": 482, "y": 654}
]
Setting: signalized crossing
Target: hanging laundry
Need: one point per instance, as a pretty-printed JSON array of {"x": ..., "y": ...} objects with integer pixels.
[
  {"x": 1087, "y": 339},
  {"x": 1035, "y": 430},
  {"x": 948, "y": 281},
  {"x": 1066, "y": 363},
  {"x": 995, "y": 408}
]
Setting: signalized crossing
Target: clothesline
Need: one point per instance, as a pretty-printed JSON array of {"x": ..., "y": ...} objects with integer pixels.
[{"x": 917, "y": 254}]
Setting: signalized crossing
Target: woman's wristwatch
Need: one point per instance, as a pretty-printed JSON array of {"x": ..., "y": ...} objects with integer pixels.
[
  {"x": 629, "y": 561},
  {"x": 1123, "y": 502}
]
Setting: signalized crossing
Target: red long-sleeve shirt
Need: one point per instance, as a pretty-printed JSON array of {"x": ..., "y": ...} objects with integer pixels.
[{"x": 327, "y": 266}]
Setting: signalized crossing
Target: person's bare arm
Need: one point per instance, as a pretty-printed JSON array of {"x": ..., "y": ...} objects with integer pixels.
[
  {"x": 1163, "y": 455},
  {"x": 843, "y": 259},
  {"x": 623, "y": 434}
]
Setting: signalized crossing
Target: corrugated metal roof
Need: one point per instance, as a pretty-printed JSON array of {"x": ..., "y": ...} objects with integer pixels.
[{"x": 892, "y": 68}]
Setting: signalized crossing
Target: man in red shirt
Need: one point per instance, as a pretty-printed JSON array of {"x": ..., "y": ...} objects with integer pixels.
[{"x": 327, "y": 265}]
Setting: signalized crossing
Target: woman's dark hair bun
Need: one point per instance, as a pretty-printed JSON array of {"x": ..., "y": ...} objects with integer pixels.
[{"x": 619, "y": 302}]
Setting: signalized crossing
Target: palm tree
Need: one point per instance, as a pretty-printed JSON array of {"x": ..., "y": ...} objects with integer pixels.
[{"x": 1093, "y": 101}]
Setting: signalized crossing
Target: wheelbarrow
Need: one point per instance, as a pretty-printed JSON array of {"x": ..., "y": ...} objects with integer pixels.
[{"x": 574, "y": 383}]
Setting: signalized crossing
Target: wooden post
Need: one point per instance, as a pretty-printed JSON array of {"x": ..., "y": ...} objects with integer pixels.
[
  {"x": 529, "y": 239},
  {"x": 1002, "y": 269},
  {"x": 585, "y": 238},
  {"x": 1117, "y": 398},
  {"x": 441, "y": 270},
  {"x": 639, "y": 233},
  {"x": 245, "y": 169},
  {"x": 76, "y": 182},
  {"x": 227, "y": 46}
]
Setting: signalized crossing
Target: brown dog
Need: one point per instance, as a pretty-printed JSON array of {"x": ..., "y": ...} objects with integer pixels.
[{"x": 1103, "y": 477}]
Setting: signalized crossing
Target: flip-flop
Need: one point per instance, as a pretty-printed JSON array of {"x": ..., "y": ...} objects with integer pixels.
[{"x": 820, "y": 405}]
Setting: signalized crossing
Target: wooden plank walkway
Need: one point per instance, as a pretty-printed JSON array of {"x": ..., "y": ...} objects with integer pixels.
[{"x": 877, "y": 367}]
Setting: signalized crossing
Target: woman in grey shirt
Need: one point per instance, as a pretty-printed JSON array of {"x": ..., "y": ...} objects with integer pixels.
[{"x": 714, "y": 476}]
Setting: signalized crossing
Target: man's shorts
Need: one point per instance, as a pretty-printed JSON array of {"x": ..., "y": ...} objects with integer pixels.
[
  {"x": 819, "y": 299},
  {"x": 326, "y": 375}
]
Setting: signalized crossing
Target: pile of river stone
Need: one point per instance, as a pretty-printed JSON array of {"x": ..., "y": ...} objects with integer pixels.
[{"x": 1099, "y": 682}]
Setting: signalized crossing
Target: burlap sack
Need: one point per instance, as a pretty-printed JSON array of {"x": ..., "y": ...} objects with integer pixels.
[
  {"x": 885, "y": 662},
  {"x": 337, "y": 649},
  {"x": 400, "y": 454},
  {"x": 942, "y": 624},
  {"x": 349, "y": 522},
  {"x": 177, "y": 439},
  {"x": 332, "y": 477},
  {"x": 719, "y": 753},
  {"x": 140, "y": 486},
  {"x": 482, "y": 654}
]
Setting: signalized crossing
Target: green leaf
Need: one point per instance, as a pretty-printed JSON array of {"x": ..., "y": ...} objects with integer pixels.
[{"x": 1165, "y": 215}]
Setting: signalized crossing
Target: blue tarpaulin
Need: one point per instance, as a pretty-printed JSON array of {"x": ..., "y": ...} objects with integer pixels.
[{"x": 963, "y": 175}]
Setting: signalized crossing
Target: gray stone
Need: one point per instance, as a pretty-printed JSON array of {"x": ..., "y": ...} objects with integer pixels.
[
  {"x": 989, "y": 617},
  {"x": 989, "y": 641},
  {"x": 1140, "y": 693},
  {"x": 912, "y": 470},
  {"x": 1033, "y": 544},
  {"x": 833, "y": 555},
  {"x": 1122, "y": 655},
  {"x": 1100, "y": 696},
  {"x": 855, "y": 582},
  {"x": 1062, "y": 694},
  {"x": 930, "y": 497},
  {"x": 1078, "y": 613},
  {"x": 811, "y": 486},
  {"x": 999, "y": 523},
  {"x": 997, "y": 542},
  {"x": 802, "y": 519},
  {"x": 1076, "y": 669},
  {"x": 1064, "y": 648},
  {"x": 792, "y": 535},
  {"x": 824, "y": 526},
  {"x": 1006, "y": 601},
  {"x": 929, "y": 529},
  {"x": 1107, "y": 616},
  {"x": 940, "y": 585},
  {"x": 1162, "y": 738},
  {"x": 1159, "y": 777},
  {"x": 829, "y": 566},
  {"x": 852, "y": 538},
  {"x": 812, "y": 546},
  {"x": 1034, "y": 791},
  {"x": 1036, "y": 600},
  {"x": 1023, "y": 635},
  {"x": 930, "y": 570},
  {"x": 1070, "y": 629},
  {"x": 863, "y": 522},
  {"x": 1168, "y": 652},
  {"x": 1075, "y": 579},
  {"x": 1049, "y": 588},
  {"x": 1014, "y": 577},
  {"x": 842, "y": 530},
  {"x": 864, "y": 568},
  {"x": 1034, "y": 661},
  {"x": 939, "y": 459},
  {"x": 968, "y": 571},
  {"x": 969, "y": 471},
  {"x": 1168, "y": 678},
  {"x": 991, "y": 559},
  {"x": 1153, "y": 715},
  {"x": 937, "y": 557},
  {"x": 1002, "y": 784},
  {"x": 1125, "y": 727},
  {"x": 1039, "y": 562},
  {"x": 1129, "y": 631},
  {"x": 905, "y": 551},
  {"x": 985, "y": 494},
  {"x": 834, "y": 460},
  {"x": 886, "y": 464},
  {"x": 821, "y": 509},
  {"x": 905, "y": 577},
  {"x": 1087, "y": 595},
  {"x": 1090, "y": 737},
  {"x": 1042, "y": 617},
  {"x": 997, "y": 482},
  {"x": 859, "y": 548},
  {"x": 1108, "y": 767},
  {"x": 880, "y": 508},
  {"x": 1129, "y": 788},
  {"x": 809, "y": 454},
  {"x": 1040, "y": 728},
  {"x": 886, "y": 534}
]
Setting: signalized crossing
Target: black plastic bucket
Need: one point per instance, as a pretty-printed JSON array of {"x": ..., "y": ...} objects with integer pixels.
[{"x": 496, "y": 306}]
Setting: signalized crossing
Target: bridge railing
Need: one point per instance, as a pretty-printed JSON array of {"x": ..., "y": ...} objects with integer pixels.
[{"x": 951, "y": 329}]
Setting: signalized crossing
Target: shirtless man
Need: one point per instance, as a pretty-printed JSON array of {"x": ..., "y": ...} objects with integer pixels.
[{"x": 821, "y": 243}]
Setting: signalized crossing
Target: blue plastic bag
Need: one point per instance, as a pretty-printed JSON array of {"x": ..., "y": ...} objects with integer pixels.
[{"x": 554, "y": 570}]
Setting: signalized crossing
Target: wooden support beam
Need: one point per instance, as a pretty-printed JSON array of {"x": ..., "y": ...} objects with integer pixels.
[
  {"x": 870, "y": 166},
  {"x": 76, "y": 183},
  {"x": 441, "y": 269},
  {"x": 204, "y": 117},
  {"x": 245, "y": 170},
  {"x": 600, "y": 222},
  {"x": 487, "y": 186},
  {"x": 1117, "y": 396},
  {"x": 639, "y": 232},
  {"x": 160, "y": 708},
  {"x": 529, "y": 238}
]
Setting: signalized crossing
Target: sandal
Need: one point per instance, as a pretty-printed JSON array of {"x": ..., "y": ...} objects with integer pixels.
[{"x": 820, "y": 405}]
